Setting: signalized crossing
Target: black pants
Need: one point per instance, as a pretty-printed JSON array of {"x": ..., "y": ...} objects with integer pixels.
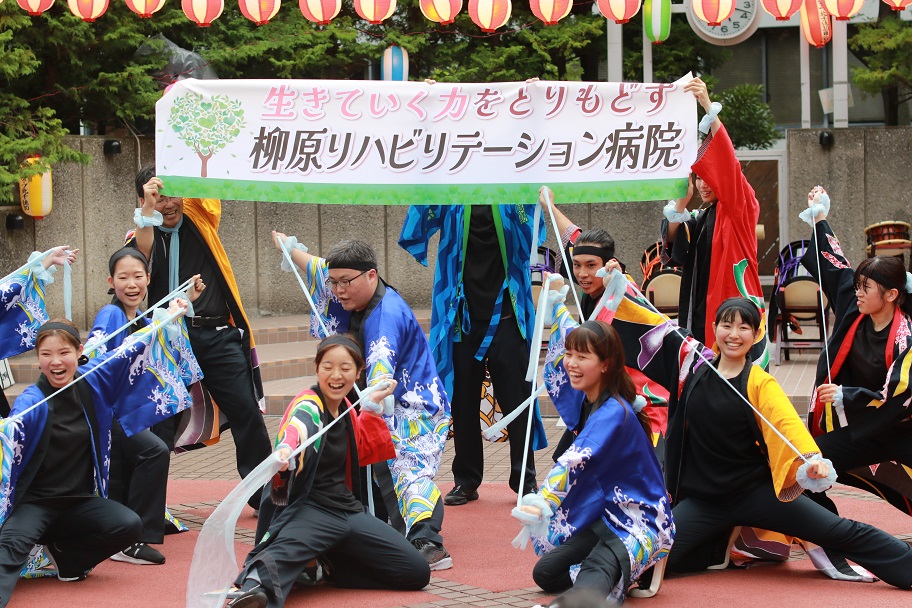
[
  {"x": 386, "y": 507},
  {"x": 891, "y": 445},
  {"x": 599, "y": 559},
  {"x": 697, "y": 521},
  {"x": 506, "y": 360},
  {"x": 228, "y": 379},
  {"x": 358, "y": 552},
  {"x": 139, "y": 478},
  {"x": 81, "y": 534}
]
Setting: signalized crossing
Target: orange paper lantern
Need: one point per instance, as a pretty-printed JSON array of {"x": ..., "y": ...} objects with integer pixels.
[
  {"x": 145, "y": 8},
  {"x": 88, "y": 10},
  {"x": 843, "y": 10},
  {"x": 259, "y": 11},
  {"x": 551, "y": 11},
  {"x": 320, "y": 11},
  {"x": 620, "y": 11},
  {"x": 375, "y": 11},
  {"x": 490, "y": 14},
  {"x": 815, "y": 23},
  {"x": 35, "y": 7},
  {"x": 442, "y": 11},
  {"x": 782, "y": 10},
  {"x": 203, "y": 12},
  {"x": 713, "y": 12}
]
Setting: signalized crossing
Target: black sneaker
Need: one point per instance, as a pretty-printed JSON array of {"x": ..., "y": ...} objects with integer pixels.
[
  {"x": 63, "y": 577},
  {"x": 141, "y": 554},
  {"x": 460, "y": 496},
  {"x": 253, "y": 598},
  {"x": 437, "y": 557}
]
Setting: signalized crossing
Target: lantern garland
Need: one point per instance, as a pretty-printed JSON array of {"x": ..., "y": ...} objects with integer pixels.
[
  {"x": 443, "y": 11},
  {"x": 550, "y": 11},
  {"x": 657, "y": 20},
  {"x": 815, "y": 23},
  {"x": 35, "y": 7},
  {"x": 320, "y": 12},
  {"x": 259, "y": 11},
  {"x": 620, "y": 11},
  {"x": 375, "y": 11},
  {"x": 88, "y": 10},
  {"x": 145, "y": 8},
  {"x": 782, "y": 10},
  {"x": 203, "y": 12},
  {"x": 490, "y": 14},
  {"x": 713, "y": 12},
  {"x": 843, "y": 10}
]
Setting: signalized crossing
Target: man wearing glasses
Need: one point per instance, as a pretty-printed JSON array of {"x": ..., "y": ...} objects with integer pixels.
[
  {"x": 351, "y": 297},
  {"x": 179, "y": 237}
]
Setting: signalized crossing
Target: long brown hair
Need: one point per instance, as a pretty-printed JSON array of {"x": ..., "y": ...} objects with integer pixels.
[{"x": 603, "y": 341}]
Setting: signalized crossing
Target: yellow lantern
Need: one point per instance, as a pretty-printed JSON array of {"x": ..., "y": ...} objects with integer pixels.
[{"x": 36, "y": 193}]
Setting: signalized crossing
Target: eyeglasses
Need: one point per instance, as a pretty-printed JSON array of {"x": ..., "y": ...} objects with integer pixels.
[{"x": 343, "y": 283}]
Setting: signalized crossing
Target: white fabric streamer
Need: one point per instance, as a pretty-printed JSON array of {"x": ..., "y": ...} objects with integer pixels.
[
  {"x": 821, "y": 206},
  {"x": 710, "y": 117},
  {"x": 909, "y": 282},
  {"x": 554, "y": 298},
  {"x": 814, "y": 484},
  {"x": 613, "y": 294},
  {"x": 671, "y": 213},
  {"x": 533, "y": 525},
  {"x": 144, "y": 221},
  {"x": 35, "y": 262},
  {"x": 291, "y": 242},
  {"x": 638, "y": 404}
]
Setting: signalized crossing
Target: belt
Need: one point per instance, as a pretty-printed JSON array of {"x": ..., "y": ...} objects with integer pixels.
[{"x": 207, "y": 321}]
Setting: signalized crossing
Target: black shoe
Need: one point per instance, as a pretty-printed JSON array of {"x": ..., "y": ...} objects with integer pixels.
[
  {"x": 141, "y": 554},
  {"x": 460, "y": 496},
  {"x": 66, "y": 578},
  {"x": 437, "y": 557},
  {"x": 252, "y": 598}
]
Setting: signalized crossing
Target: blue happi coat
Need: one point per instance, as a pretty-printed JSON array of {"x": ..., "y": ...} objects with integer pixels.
[
  {"x": 395, "y": 347},
  {"x": 449, "y": 302},
  {"x": 22, "y": 310},
  {"x": 139, "y": 382},
  {"x": 609, "y": 473}
]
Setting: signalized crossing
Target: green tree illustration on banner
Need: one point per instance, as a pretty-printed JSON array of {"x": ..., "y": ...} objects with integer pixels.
[{"x": 206, "y": 126}]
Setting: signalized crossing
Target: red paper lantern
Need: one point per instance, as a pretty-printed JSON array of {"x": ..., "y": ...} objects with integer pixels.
[
  {"x": 259, "y": 11},
  {"x": 145, "y": 8},
  {"x": 375, "y": 11},
  {"x": 843, "y": 10},
  {"x": 552, "y": 11},
  {"x": 490, "y": 14},
  {"x": 713, "y": 12},
  {"x": 320, "y": 11},
  {"x": 815, "y": 23},
  {"x": 203, "y": 12},
  {"x": 898, "y": 5},
  {"x": 783, "y": 10},
  {"x": 35, "y": 7},
  {"x": 88, "y": 10},
  {"x": 620, "y": 11},
  {"x": 443, "y": 11}
]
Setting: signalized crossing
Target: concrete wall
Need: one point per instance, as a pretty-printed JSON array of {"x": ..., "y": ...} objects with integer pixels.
[{"x": 865, "y": 172}]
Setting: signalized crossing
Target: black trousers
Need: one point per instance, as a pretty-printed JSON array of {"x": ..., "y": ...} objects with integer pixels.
[
  {"x": 358, "y": 551},
  {"x": 599, "y": 559},
  {"x": 228, "y": 379},
  {"x": 697, "y": 521},
  {"x": 386, "y": 507},
  {"x": 506, "y": 359},
  {"x": 81, "y": 534},
  {"x": 139, "y": 478},
  {"x": 892, "y": 445}
]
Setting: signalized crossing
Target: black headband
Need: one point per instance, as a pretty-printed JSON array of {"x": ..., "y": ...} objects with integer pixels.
[
  {"x": 601, "y": 252},
  {"x": 341, "y": 340},
  {"x": 353, "y": 265},
  {"x": 595, "y": 328},
  {"x": 123, "y": 253},
  {"x": 54, "y": 325}
]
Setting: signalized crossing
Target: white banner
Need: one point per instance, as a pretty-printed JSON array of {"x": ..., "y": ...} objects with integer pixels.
[{"x": 375, "y": 142}]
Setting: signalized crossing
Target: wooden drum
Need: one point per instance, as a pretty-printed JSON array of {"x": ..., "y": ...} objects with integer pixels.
[{"x": 888, "y": 238}]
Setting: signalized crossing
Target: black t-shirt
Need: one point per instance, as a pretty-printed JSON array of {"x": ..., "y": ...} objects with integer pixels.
[
  {"x": 194, "y": 259},
  {"x": 67, "y": 469},
  {"x": 329, "y": 489},
  {"x": 483, "y": 274},
  {"x": 721, "y": 458},
  {"x": 701, "y": 270},
  {"x": 866, "y": 365}
]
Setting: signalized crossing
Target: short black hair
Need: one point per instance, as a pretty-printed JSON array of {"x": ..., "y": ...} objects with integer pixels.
[{"x": 144, "y": 175}]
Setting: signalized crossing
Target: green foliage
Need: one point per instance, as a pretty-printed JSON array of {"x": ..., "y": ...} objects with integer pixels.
[
  {"x": 206, "y": 126},
  {"x": 747, "y": 118},
  {"x": 683, "y": 52},
  {"x": 885, "y": 49}
]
